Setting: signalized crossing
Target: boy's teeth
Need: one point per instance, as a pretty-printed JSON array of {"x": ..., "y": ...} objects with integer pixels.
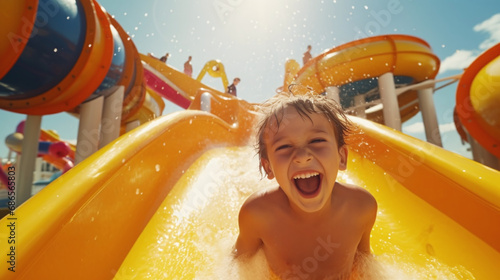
[{"x": 306, "y": 175}]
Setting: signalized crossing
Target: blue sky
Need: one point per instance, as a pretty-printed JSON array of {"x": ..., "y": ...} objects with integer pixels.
[{"x": 254, "y": 38}]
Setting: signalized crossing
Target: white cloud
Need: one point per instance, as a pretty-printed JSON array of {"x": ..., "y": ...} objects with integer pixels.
[
  {"x": 447, "y": 127},
  {"x": 460, "y": 60},
  {"x": 415, "y": 128},
  {"x": 418, "y": 127},
  {"x": 491, "y": 26},
  {"x": 463, "y": 58}
]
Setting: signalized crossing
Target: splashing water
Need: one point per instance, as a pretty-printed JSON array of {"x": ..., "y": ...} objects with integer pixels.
[{"x": 193, "y": 233}]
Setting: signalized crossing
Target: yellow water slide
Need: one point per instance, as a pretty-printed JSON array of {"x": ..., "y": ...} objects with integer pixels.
[{"x": 161, "y": 202}]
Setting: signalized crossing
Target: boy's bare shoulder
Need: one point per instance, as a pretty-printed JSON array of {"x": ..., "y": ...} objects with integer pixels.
[
  {"x": 256, "y": 208},
  {"x": 263, "y": 199},
  {"x": 357, "y": 196}
]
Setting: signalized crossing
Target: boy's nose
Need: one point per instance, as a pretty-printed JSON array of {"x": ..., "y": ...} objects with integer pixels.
[{"x": 302, "y": 155}]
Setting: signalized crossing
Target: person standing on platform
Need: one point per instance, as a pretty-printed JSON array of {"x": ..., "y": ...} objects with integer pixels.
[
  {"x": 307, "y": 55},
  {"x": 188, "y": 68},
  {"x": 231, "y": 89}
]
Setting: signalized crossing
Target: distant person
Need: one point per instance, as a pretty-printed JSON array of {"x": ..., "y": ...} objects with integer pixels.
[
  {"x": 307, "y": 55},
  {"x": 231, "y": 89},
  {"x": 165, "y": 57},
  {"x": 188, "y": 68},
  {"x": 162, "y": 59}
]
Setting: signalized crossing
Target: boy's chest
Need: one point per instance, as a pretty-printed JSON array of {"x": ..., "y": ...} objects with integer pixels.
[{"x": 330, "y": 246}]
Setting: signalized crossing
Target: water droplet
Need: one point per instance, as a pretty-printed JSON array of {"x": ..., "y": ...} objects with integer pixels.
[{"x": 157, "y": 168}]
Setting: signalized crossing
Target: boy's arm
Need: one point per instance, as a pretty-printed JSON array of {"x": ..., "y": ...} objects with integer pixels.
[
  {"x": 248, "y": 241},
  {"x": 363, "y": 266},
  {"x": 370, "y": 216}
]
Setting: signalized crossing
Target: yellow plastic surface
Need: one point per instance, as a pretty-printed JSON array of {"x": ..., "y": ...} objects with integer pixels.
[
  {"x": 215, "y": 69},
  {"x": 160, "y": 202}
]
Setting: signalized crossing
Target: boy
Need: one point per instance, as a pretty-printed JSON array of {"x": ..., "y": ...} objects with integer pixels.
[{"x": 310, "y": 226}]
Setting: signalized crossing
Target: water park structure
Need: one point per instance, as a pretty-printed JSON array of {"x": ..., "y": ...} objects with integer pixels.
[{"x": 158, "y": 196}]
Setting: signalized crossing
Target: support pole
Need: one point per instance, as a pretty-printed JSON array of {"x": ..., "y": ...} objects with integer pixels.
[
  {"x": 429, "y": 116},
  {"x": 111, "y": 117},
  {"x": 205, "y": 101},
  {"x": 131, "y": 125},
  {"x": 392, "y": 117},
  {"x": 482, "y": 155},
  {"x": 333, "y": 93},
  {"x": 360, "y": 111},
  {"x": 29, "y": 151},
  {"x": 89, "y": 129}
]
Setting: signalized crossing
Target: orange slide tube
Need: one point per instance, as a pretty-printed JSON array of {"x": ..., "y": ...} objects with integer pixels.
[
  {"x": 369, "y": 58},
  {"x": 85, "y": 76},
  {"x": 16, "y": 31},
  {"x": 478, "y": 100}
]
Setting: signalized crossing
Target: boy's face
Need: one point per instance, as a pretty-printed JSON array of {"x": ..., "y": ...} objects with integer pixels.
[{"x": 304, "y": 158}]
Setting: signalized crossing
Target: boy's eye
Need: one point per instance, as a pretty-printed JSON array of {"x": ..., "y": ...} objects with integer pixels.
[
  {"x": 318, "y": 140},
  {"x": 282, "y": 147}
]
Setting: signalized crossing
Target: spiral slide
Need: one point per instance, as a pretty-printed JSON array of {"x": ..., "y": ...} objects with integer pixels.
[
  {"x": 354, "y": 68},
  {"x": 478, "y": 100},
  {"x": 161, "y": 202}
]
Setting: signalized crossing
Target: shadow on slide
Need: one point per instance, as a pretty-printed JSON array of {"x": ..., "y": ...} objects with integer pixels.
[{"x": 161, "y": 202}]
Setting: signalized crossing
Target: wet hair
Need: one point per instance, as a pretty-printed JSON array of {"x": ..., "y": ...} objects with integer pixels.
[{"x": 306, "y": 102}]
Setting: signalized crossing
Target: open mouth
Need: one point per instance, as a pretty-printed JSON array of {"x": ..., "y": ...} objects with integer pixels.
[{"x": 308, "y": 184}]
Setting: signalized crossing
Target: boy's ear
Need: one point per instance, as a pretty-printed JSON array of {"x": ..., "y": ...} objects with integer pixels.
[
  {"x": 343, "y": 157},
  {"x": 267, "y": 168}
]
